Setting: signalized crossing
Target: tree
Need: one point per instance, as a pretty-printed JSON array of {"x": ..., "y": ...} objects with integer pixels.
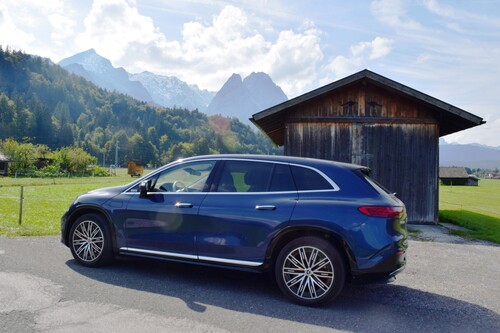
[
  {"x": 22, "y": 155},
  {"x": 73, "y": 160}
]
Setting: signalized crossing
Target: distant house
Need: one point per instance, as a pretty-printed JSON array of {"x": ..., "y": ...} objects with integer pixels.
[
  {"x": 4, "y": 165},
  {"x": 457, "y": 176},
  {"x": 135, "y": 168}
]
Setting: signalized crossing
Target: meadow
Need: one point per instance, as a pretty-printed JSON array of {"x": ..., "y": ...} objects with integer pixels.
[
  {"x": 476, "y": 208},
  {"x": 46, "y": 200}
]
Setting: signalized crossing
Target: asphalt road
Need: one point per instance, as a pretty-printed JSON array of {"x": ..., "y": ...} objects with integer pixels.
[{"x": 446, "y": 287}]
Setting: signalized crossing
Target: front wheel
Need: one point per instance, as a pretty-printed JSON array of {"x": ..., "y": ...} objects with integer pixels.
[
  {"x": 310, "y": 271},
  {"x": 90, "y": 241}
]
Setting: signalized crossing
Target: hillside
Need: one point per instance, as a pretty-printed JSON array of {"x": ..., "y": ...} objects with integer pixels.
[{"x": 42, "y": 103}]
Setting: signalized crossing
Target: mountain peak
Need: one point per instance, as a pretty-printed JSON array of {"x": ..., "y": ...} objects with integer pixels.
[
  {"x": 99, "y": 70},
  {"x": 234, "y": 79},
  {"x": 90, "y": 60},
  {"x": 241, "y": 98}
]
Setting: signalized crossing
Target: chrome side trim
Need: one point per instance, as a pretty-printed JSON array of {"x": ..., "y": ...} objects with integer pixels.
[
  {"x": 160, "y": 253},
  {"x": 193, "y": 257},
  {"x": 231, "y": 261}
]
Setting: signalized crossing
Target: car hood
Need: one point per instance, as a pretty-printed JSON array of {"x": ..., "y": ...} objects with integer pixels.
[{"x": 101, "y": 195}]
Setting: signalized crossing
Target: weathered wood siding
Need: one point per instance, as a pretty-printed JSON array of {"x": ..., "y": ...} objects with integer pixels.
[{"x": 397, "y": 138}]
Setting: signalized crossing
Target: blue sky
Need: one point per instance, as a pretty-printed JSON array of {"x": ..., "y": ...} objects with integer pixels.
[{"x": 447, "y": 49}]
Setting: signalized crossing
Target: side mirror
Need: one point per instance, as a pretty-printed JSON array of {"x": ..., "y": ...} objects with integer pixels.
[{"x": 144, "y": 188}]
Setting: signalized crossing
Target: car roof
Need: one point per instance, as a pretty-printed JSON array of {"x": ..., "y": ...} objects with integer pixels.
[{"x": 312, "y": 162}]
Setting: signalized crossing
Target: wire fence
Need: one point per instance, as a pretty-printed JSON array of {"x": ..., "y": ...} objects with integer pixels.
[{"x": 37, "y": 205}]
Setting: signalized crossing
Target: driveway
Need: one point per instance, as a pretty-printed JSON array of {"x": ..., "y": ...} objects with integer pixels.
[{"x": 449, "y": 285}]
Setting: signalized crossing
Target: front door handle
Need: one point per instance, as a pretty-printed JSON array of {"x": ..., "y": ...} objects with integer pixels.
[
  {"x": 265, "y": 207},
  {"x": 183, "y": 205}
]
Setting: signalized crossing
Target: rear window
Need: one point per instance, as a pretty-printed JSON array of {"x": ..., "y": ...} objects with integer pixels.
[
  {"x": 376, "y": 185},
  {"x": 309, "y": 180}
]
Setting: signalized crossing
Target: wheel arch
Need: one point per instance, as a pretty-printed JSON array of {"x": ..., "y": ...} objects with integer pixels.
[
  {"x": 83, "y": 210},
  {"x": 287, "y": 235}
]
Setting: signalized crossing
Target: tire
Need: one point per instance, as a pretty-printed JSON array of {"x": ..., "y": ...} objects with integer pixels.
[
  {"x": 310, "y": 271},
  {"x": 90, "y": 241}
]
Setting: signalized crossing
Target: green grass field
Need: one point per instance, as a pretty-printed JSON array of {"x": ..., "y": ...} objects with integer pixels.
[
  {"x": 474, "y": 207},
  {"x": 46, "y": 200}
]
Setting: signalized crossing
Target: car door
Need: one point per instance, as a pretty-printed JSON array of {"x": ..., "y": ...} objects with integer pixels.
[
  {"x": 164, "y": 221},
  {"x": 250, "y": 201}
]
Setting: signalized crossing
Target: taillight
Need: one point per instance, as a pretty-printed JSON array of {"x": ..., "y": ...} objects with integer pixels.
[{"x": 383, "y": 211}]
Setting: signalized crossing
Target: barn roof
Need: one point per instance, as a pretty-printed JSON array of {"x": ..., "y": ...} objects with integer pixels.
[
  {"x": 4, "y": 158},
  {"x": 453, "y": 172},
  {"x": 451, "y": 119}
]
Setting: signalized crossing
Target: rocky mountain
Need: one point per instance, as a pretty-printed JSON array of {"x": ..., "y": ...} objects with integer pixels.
[
  {"x": 241, "y": 98},
  {"x": 166, "y": 91},
  {"x": 469, "y": 155},
  {"x": 101, "y": 72},
  {"x": 169, "y": 91}
]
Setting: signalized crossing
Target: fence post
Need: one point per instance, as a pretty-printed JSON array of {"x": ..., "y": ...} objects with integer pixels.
[{"x": 21, "y": 206}]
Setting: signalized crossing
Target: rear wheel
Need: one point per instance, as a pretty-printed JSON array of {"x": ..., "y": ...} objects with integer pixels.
[
  {"x": 310, "y": 271},
  {"x": 90, "y": 241}
]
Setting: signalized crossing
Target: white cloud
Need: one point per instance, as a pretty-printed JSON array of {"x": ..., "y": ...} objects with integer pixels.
[
  {"x": 112, "y": 25},
  {"x": 38, "y": 27},
  {"x": 361, "y": 54},
  {"x": 63, "y": 27},
  {"x": 393, "y": 13},
  {"x": 12, "y": 35},
  {"x": 208, "y": 52},
  {"x": 380, "y": 47},
  {"x": 453, "y": 13},
  {"x": 292, "y": 60},
  {"x": 486, "y": 134}
]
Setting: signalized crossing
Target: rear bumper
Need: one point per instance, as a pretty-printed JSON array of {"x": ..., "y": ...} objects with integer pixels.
[{"x": 385, "y": 269}]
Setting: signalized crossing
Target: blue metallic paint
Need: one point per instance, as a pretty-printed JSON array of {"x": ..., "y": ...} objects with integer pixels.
[{"x": 226, "y": 228}]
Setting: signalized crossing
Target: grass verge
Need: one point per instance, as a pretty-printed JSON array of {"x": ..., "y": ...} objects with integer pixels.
[{"x": 480, "y": 226}]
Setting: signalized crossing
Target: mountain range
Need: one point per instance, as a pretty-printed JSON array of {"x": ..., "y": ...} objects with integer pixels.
[
  {"x": 239, "y": 98},
  {"x": 469, "y": 155},
  {"x": 101, "y": 72}
]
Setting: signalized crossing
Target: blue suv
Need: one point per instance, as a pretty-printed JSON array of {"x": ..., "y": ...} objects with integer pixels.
[{"x": 314, "y": 224}]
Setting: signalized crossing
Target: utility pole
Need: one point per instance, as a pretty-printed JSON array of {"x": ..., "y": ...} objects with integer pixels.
[{"x": 116, "y": 153}]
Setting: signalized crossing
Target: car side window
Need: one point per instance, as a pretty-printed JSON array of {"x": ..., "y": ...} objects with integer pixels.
[
  {"x": 244, "y": 176},
  {"x": 191, "y": 177},
  {"x": 309, "y": 180},
  {"x": 282, "y": 179}
]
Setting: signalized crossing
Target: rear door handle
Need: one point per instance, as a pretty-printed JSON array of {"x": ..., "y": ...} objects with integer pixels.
[
  {"x": 183, "y": 205},
  {"x": 265, "y": 207}
]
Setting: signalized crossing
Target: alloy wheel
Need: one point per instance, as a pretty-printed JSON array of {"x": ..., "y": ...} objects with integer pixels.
[
  {"x": 308, "y": 272},
  {"x": 88, "y": 241}
]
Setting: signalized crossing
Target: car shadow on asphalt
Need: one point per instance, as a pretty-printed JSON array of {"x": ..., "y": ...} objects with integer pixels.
[{"x": 360, "y": 308}]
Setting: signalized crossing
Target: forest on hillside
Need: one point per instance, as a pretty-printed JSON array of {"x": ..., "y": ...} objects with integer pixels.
[{"x": 43, "y": 104}]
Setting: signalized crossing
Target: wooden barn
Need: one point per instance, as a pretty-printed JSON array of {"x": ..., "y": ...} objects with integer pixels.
[
  {"x": 4, "y": 165},
  {"x": 457, "y": 176},
  {"x": 371, "y": 120}
]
